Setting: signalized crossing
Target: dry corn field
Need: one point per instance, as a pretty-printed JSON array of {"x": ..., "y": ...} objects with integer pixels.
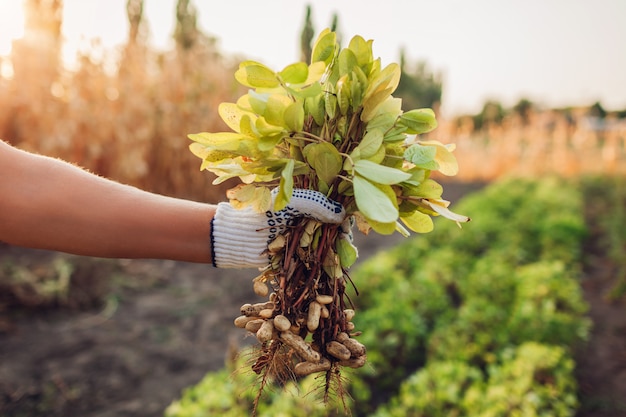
[{"x": 129, "y": 122}]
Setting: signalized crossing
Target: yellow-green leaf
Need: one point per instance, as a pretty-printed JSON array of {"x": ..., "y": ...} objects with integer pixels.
[
  {"x": 418, "y": 121},
  {"x": 372, "y": 103},
  {"x": 286, "y": 186},
  {"x": 421, "y": 156},
  {"x": 231, "y": 114},
  {"x": 256, "y": 75},
  {"x": 295, "y": 73},
  {"x": 373, "y": 202},
  {"x": 371, "y": 143},
  {"x": 346, "y": 62},
  {"x": 445, "y": 158},
  {"x": 380, "y": 173},
  {"x": 324, "y": 47},
  {"x": 275, "y": 109},
  {"x": 325, "y": 159},
  {"x": 347, "y": 252},
  {"x": 362, "y": 50},
  {"x": 294, "y": 116},
  {"x": 418, "y": 222}
]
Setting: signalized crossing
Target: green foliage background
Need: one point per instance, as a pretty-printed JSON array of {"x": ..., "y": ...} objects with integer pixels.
[{"x": 479, "y": 321}]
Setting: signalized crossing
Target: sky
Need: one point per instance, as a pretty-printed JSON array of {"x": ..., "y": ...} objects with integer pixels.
[{"x": 553, "y": 52}]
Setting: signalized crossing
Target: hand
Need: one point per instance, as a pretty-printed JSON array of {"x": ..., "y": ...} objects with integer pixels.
[{"x": 239, "y": 238}]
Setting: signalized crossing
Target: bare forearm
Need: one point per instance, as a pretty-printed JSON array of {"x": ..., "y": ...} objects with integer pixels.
[{"x": 54, "y": 205}]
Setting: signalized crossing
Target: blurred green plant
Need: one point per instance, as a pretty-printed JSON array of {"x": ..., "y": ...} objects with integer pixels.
[
  {"x": 231, "y": 392},
  {"x": 479, "y": 322}
]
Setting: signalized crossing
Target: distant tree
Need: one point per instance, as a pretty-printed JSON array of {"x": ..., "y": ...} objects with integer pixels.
[
  {"x": 36, "y": 58},
  {"x": 44, "y": 17},
  {"x": 306, "y": 38},
  {"x": 419, "y": 87},
  {"x": 334, "y": 27},
  {"x": 492, "y": 114},
  {"x": 186, "y": 33},
  {"x": 523, "y": 108},
  {"x": 308, "y": 32},
  {"x": 597, "y": 110},
  {"x": 134, "y": 12}
]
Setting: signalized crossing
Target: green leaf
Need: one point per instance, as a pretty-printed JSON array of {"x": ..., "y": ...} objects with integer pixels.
[
  {"x": 362, "y": 50},
  {"x": 382, "y": 228},
  {"x": 306, "y": 91},
  {"x": 387, "y": 79},
  {"x": 419, "y": 155},
  {"x": 269, "y": 142},
  {"x": 346, "y": 61},
  {"x": 294, "y": 116},
  {"x": 330, "y": 104},
  {"x": 371, "y": 143},
  {"x": 256, "y": 75},
  {"x": 324, "y": 47},
  {"x": 347, "y": 252},
  {"x": 316, "y": 71},
  {"x": 343, "y": 94},
  {"x": 373, "y": 202},
  {"x": 428, "y": 189},
  {"x": 418, "y": 121},
  {"x": 275, "y": 110},
  {"x": 372, "y": 103},
  {"x": 232, "y": 115},
  {"x": 325, "y": 159},
  {"x": 380, "y": 173},
  {"x": 225, "y": 141},
  {"x": 295, "y": 73},
  {"x": 286, "y": 186},
  {"x": 315, "y": 107},
  {"x": 383, "y": 121},
  {"x": 418, "y": 222},
  {"x": 266, "y": 129},
  {"x": 258, "y": 101}
]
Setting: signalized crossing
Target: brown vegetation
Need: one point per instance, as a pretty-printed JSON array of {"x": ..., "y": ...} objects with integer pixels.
[{"x": 544, "y": 142}]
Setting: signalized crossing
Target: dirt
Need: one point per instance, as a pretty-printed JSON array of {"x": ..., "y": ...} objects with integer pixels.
[{"x": 143, "y": 330}]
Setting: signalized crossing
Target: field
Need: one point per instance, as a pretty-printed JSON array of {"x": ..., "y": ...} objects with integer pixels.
[{"x": 92, "y": 337}]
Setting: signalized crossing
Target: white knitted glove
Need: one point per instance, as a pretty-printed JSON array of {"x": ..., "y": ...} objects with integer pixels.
[{"x": 239, "y": 237}]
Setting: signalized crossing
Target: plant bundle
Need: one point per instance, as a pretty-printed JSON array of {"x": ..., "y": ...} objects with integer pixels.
[{"x": 333, "y": 126}]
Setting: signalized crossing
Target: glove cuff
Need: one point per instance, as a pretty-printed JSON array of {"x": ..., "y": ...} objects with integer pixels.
[{"x": 235, "y": 238}]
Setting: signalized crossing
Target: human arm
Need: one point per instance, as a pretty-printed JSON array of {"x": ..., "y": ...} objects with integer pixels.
[
  {"x": 47, "y": 203},
  {"x": 50, "y": 204}
]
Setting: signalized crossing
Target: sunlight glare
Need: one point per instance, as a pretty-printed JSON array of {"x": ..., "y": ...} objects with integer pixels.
[{"x": 11, "y": 24}]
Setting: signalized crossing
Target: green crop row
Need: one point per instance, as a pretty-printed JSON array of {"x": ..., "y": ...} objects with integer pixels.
[{"x": 479, "y": 321}]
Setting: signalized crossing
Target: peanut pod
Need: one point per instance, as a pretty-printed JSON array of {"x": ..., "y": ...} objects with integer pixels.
[
  {"x": 338, "y": 350},
  {"x": 266, "y": 313},
  {"x": 260, "y": 288},
  {"x": 313, "y": 319},
  {"x": 255, "y": 309},
  {"x": 324, "y": 299},
  {"x": 253, "y": 326},
  {"x": 265, "y": 332},
  {"x": 356, "y": 348},
  {"x": 301, "y": 348},
  {"x": 241, "y": 321},
  {"x": 354, "y": 362},
  {"x": 282, "y": 323},
  {"x": 307, "y": 368}
]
